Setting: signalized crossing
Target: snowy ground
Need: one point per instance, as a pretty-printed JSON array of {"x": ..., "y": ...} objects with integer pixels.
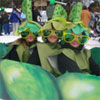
[{"x": 92, "y": 43}]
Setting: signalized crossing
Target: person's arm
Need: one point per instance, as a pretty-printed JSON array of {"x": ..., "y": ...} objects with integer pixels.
[
  {"x": 94, "y": 68},
  {"x": 65, "y": 64}
]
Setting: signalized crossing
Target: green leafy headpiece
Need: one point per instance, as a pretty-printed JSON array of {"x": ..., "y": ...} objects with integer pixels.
[
  {"x": 75, "y": 18},
  {"x": 58, "y": 20},
  {"x": 27, "y": 9},
  {"x": 28, "y": 25}
]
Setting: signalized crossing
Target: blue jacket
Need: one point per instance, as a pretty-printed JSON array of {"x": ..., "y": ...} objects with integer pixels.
[{"x": 15, "y": 17}]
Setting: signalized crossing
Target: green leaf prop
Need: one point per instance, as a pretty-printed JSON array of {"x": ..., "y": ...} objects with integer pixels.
[
  {"x": 75, "y": 14},
  {"x": 27, "y": 9},
  {"x": 59, "y": 12}
]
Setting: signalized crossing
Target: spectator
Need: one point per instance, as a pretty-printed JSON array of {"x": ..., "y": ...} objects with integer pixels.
[
  {"x": 50, "y": 10},
  {"x": 92, "y": 20},
  {"x": 74, "y": 57},
  {"x": 15, "y": 19},
  {"x": 24, "y": 49},
  {"x": 5, "y": 21},
  {"x": 0, "y": 23},
  {"x": 35, "y": 14},
  {"x": 96, "y": 19},
  {"x": 23, "y": 17},
  {"x": 85, "y": 16}
]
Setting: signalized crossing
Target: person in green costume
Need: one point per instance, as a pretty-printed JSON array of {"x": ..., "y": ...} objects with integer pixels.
[
  {"x": 52, "y": 32},
  {"x": 74, "y": 57},
  {"x": 24, "y": 49}
]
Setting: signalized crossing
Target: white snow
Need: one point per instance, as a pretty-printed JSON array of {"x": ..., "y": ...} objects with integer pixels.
[{"x": 92, "y": 43}]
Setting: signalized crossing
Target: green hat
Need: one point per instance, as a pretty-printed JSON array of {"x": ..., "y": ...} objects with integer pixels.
[
  {"x": 75, "y": 17},
  {"x": 52, "y": 2},
  {"x": 28, "y": 25},
  {"x": 78, "y": 29},
  {"x": 58, "y": 20}
]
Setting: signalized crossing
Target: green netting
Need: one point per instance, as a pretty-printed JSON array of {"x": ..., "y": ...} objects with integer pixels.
[{"x": 96, "y": 55}]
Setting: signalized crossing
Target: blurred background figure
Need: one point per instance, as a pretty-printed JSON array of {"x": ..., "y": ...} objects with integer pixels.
[
  {"x": 50, "y": 9},
  {"x": 5, "y": 21},
  {"x": 92, "y": 20},
  {"x": 23, "y": 17},
  {"x": 85, "y": 16},
  {"x": 0, "y": 23},
  {"x": 15, "y": 19},
  {"x": 36, "y": 14}
]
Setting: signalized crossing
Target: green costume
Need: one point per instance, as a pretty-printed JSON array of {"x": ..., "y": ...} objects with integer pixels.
[
  {"x": 58, "y": 22},
  {"x": 20, "y": 49},
  {"x": 45, "y": 50},
  {"x": 80, "y": 59}
]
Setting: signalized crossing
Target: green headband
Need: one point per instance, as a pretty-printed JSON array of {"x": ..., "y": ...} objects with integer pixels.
[
  {"x": 78, "y": 29},
  {"x": 31, "y": 26}
]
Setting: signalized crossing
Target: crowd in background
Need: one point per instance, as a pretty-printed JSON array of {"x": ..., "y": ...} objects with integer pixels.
[{"x": 14, "y": 19}]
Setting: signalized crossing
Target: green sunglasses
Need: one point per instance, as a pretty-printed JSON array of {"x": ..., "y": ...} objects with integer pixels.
[
  {"x": 82, "y": 39},
  {"x": 25, "y": 34},
  {"x": 47, "y": 33}
]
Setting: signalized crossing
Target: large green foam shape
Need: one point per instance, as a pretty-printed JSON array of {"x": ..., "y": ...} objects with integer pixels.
[
  {"x": 27, "y": 9},
  {"x": 77, "y": 86},
  {"x": 21, "y": 81},
  {"x": 28, "y": 82}
]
